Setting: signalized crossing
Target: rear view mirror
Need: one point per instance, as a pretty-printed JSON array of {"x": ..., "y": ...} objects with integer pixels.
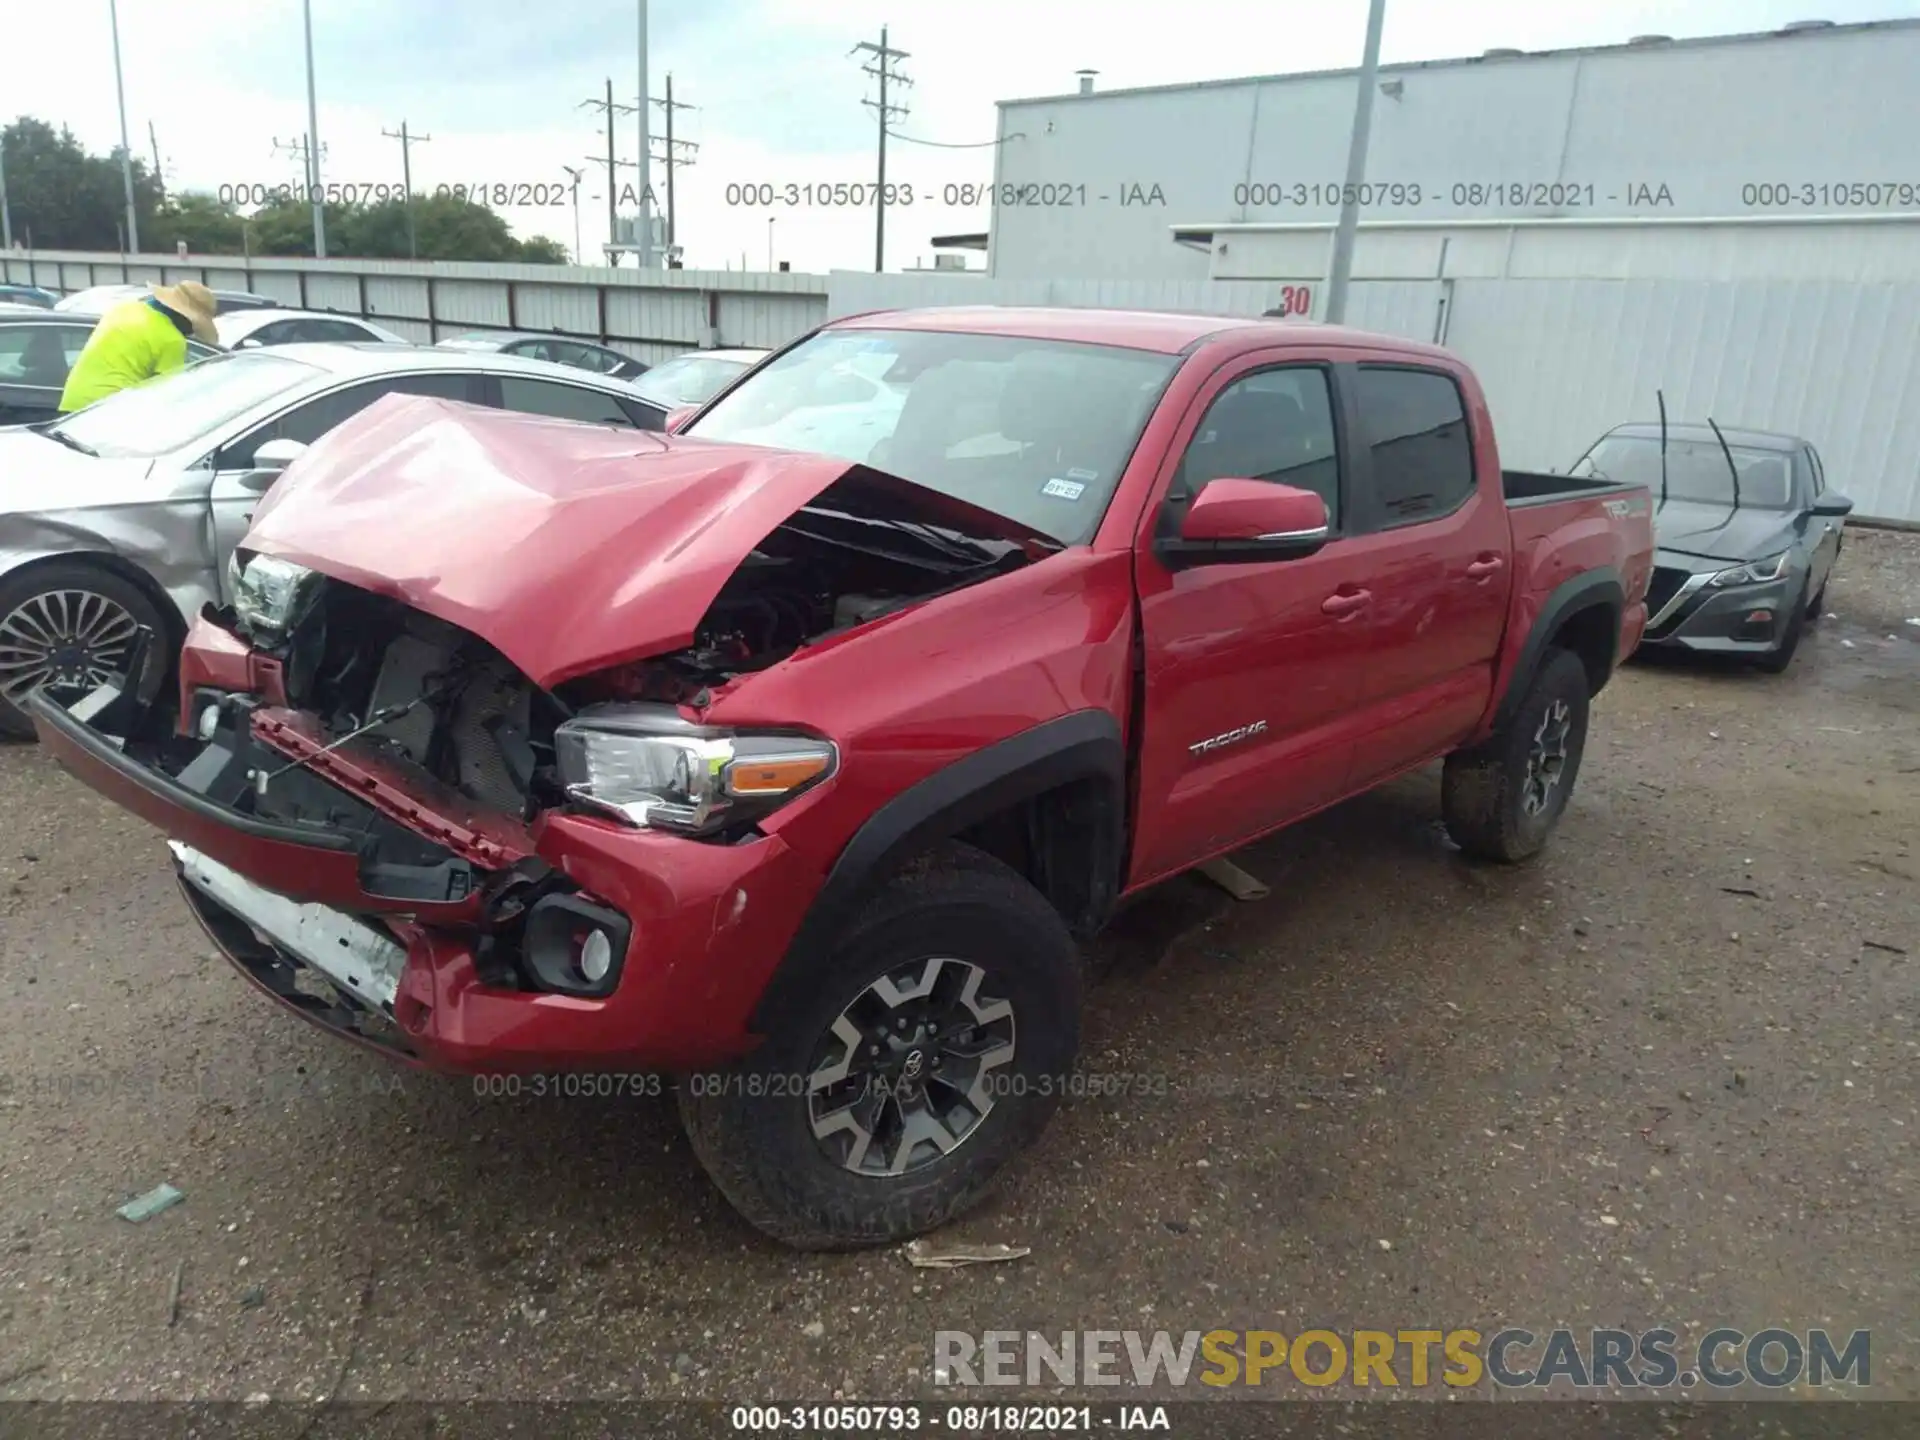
[
  {"x": 1832, "y": 504},
  {"x": 1234, "y": 521},
  {"x": 269, "y": 460}
]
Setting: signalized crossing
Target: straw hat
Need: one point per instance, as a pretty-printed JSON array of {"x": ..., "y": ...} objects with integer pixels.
[{"x": 194, "y": 302}]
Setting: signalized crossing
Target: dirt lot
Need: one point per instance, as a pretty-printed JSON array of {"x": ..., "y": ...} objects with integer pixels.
[{"x": 1669, "y": 1074}]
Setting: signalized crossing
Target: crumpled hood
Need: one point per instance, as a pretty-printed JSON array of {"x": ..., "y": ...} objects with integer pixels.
[
  {"x": 1720, "y": 532},
  {"x": 567, "y": 547}
]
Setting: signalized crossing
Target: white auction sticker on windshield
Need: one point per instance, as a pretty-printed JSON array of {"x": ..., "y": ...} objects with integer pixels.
[
  {"x": 1083, "y": 474},
  {"x": 1063, "y": 489}
]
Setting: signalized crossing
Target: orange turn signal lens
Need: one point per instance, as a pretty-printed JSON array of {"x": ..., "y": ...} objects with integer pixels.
[{"x": 774, "y": 774}]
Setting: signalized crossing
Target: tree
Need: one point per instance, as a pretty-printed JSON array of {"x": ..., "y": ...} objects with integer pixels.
[{"x": 63, "y": 198}]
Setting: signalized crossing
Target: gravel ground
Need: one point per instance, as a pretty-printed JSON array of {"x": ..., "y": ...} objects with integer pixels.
[{"x": 1665, "y": 1075}]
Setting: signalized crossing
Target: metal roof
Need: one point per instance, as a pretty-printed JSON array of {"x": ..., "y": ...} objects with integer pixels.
[{"x": 1784, "y": 35}]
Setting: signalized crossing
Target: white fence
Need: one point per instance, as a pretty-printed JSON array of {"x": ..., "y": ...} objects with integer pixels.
[
  {"x": 649, "y": 317},
  {"x": 1563, "y": 359}
]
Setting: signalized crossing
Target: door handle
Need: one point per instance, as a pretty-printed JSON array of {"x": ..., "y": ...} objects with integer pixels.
[
  {"x": 1480, "y": 569},
  {"x": 1345, "y": 603}
]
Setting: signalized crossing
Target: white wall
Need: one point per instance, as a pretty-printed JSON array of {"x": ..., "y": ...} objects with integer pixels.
[
  {"x": 1704, "y": 119},
  {"x": 1831, "y": 360}
]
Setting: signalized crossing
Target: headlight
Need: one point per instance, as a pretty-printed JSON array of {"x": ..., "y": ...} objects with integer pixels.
[
  {"x": 1758, "y": 573},
  {"x": 646, "y": 765},
  {"x": 272, "y": 596}
]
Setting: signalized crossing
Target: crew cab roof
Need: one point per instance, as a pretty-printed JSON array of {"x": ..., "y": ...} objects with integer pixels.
[{"x": 1164, "y": 331}]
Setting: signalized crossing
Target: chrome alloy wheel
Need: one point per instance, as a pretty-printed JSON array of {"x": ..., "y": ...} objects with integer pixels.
[
  {"x": 905, "y": 1074},
  {"x": 1546, "y": 757},
  {"x": 65, "y": 641}
]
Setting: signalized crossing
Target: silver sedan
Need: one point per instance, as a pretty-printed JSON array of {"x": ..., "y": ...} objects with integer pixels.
[{"x": 121, "y": 517}]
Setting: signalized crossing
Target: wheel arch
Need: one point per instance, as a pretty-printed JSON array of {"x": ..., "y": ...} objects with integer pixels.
[
  {"x": 120, "y": 568},
  {"x": 1050, "y": 801},
  {"x": 1582, "y": 615}
]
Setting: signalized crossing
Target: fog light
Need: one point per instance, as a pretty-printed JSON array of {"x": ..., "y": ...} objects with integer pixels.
[
  {"x": 574, "y": 946},
  {"x": 1759, "y": 617},
  {"x": 596, "y": 956}
]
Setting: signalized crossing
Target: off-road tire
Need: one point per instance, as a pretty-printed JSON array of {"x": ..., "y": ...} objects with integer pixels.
[
  {"x": 1482, "y": 788},
  {"x": 749, "y": 1124},
  {"x": 1776, "y": 660},
  {"x": 17, "y": 590}
]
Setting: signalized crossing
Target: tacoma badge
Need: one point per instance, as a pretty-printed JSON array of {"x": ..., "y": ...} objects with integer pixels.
[{"x": 1245, "y": 732}]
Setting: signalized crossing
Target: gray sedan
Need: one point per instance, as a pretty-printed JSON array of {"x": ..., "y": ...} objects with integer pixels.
[{"x": 121, "y": 517}]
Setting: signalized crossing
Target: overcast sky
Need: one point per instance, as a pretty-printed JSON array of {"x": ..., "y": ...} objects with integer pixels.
[{"x": 498, "y": 84}]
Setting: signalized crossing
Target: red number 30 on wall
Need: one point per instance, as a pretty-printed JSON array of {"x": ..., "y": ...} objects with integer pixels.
[{"x": 1296, "y": 299}]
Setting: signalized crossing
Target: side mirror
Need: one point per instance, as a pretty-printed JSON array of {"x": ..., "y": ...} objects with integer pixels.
[
  {"x": 1234, "y": 521},
  {"x": 252, "y": 342},
  {"x": 269, "y": 460},
  {"x": 1832, "y": 504},
  {"x": 678, "y": 416}
]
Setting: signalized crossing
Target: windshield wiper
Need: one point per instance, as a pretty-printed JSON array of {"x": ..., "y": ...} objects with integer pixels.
[
  {"x": 1732, "y": 468},
  {"x": 71, "y": 443}
]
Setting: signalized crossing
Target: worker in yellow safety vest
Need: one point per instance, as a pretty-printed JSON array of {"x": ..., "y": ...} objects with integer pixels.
[{"x": 139, "y": 339}]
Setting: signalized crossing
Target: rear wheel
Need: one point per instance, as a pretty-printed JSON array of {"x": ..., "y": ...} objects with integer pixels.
[
  {"x": 932, "y": 1047},
  {"x": 66, "y": 628},
  {"x": 1502, "y": 799}
]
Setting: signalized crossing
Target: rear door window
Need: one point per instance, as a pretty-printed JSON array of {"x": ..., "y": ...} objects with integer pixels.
[
  {"x": 307, "y": 423},
  {"x": 1413, "y": 427}
]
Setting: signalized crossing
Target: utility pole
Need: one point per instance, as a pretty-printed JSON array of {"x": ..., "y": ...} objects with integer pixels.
[
  {"x": 574, "y": 175},
  {"x": 6, "y": 215},
  {"x": 613, "y": 165},
  {"x": 132, "y": 237},
  {"x": 1340, "y": 265},
  {"x": 671, "y": 159},
  {"x": 882, "y": 67},
  {"x": 297, "y": 148},
  {"x": 646, "y": 151},
  {"x": 406, "y": 180},
  {"x": 159, "y": 177}
]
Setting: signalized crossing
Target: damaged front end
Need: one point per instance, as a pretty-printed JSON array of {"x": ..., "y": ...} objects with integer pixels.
[{"x": 389, "y": 826}]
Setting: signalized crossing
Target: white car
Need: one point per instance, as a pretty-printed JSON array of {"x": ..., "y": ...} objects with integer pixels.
[
  {"x": 248, "y": 329},
  {"x": 697, "y": 376}
]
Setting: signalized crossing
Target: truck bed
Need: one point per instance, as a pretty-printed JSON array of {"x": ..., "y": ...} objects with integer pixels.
[{"x": 1530, "y": 487}]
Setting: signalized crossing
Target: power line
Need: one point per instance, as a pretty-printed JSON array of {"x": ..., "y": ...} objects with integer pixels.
[
  {"x": 613, "y": 164},
  {"x": 958, "y": 145},
  {"x": 882, "y": 69},
  {"x": 672, "y": 156},
  {"x": 407, "y": 142},
  {"x": 298, "y": 148}
]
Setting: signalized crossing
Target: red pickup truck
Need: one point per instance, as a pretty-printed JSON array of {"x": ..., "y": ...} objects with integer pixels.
[{"x": 795, "y": 753}]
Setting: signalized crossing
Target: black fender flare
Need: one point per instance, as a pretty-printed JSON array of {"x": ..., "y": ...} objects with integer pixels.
[
  {"x": 1594, "y": 589},
  {"x": 1080, "y": 746}
]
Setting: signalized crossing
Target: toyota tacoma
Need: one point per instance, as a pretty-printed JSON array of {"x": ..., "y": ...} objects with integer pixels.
[{"x": 797, "y": 753}]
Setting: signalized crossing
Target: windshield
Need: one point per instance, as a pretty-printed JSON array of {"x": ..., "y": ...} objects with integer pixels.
[
  {"x": 172, "y": 412},
  {"x": 1035, "y": 430},
  {"x": 688, "y": 379},
  {"x": 1696, "y": 470}
]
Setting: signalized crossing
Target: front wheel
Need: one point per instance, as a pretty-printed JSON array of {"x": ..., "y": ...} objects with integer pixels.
[
  {"x": 67, "y": 627},
  {"x": 1502, "y": 799},
  {"x": 934, "y": 1042}
]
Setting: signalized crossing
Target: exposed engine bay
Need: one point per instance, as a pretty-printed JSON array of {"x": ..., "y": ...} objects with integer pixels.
[{"x": 436, "y": 699}]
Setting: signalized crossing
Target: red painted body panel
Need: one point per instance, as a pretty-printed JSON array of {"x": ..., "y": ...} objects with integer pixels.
[
  {"x": 569, "y": 548},
  {"x": 573, "y": 549},
  {"x": 221, "y": 660}
]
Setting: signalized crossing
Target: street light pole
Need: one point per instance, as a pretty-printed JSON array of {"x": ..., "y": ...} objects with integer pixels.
[
  {"x": 313, "y": 144},
  {"x": 646, "y": 152},
  {"x": 770, "y": 220},
  {"x": 574, "y": 175},
  {"x": 126, "y": 152},
  {"x": 1340, "y": 266}
]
